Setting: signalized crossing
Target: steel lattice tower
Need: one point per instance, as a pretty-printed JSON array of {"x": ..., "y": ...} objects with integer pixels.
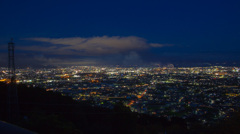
[{"x": 12, "y": 88}]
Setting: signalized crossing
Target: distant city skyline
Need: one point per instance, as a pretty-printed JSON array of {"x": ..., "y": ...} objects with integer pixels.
[{"x": 183, "y": 33}]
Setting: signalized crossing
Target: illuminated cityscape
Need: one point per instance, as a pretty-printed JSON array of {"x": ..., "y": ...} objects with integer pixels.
[
  {"x": 206, "y": 93},
  {"x": 120, "y": 67}
]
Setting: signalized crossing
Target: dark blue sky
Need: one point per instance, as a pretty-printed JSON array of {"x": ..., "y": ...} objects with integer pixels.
[{"x": 109, "y": 32}]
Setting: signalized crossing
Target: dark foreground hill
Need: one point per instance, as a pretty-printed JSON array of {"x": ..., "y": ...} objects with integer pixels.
[{"x": 49, "y": 112}]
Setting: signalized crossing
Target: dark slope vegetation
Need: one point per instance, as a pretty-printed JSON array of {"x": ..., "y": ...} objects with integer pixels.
[{"x": 50, "y": 112}]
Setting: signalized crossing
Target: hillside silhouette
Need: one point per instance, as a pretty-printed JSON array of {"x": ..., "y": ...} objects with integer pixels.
[{"x": 49, "y": 112}]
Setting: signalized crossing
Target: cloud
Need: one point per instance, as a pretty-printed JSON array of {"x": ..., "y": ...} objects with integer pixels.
[
  {"x": 104, "y": 50},
  {"x": 132, "y": 59},
  {"x": 156, "y": 45},
  {"x": 42, "y": 60},
  {"x": 64, "y": 61},
  {"x": 160, "y": 45},
  {"x": 93, "y": 46}
]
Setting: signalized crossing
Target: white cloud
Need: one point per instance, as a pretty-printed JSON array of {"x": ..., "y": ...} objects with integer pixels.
[
  {"x": 90, "y": 46},
  {"x": 160, "y": 45}
]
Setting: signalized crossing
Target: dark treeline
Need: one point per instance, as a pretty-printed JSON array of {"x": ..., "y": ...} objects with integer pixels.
[{"x": 49, "y": 112}]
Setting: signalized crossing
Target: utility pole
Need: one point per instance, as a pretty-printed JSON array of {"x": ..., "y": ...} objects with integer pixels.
[{"x": 13, "y": 109}]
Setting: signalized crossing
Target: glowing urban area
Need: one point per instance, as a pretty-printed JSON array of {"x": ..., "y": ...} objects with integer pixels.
[
  {"x": 120, "y": 67},
  {"x": 208, "y": 93}
]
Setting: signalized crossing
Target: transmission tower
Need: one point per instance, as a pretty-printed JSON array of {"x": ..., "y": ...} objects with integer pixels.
[{"x": 12, "y": 88}]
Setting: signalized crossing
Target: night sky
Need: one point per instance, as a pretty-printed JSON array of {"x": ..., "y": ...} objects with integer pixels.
[{"x": 126, "y": 32}]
